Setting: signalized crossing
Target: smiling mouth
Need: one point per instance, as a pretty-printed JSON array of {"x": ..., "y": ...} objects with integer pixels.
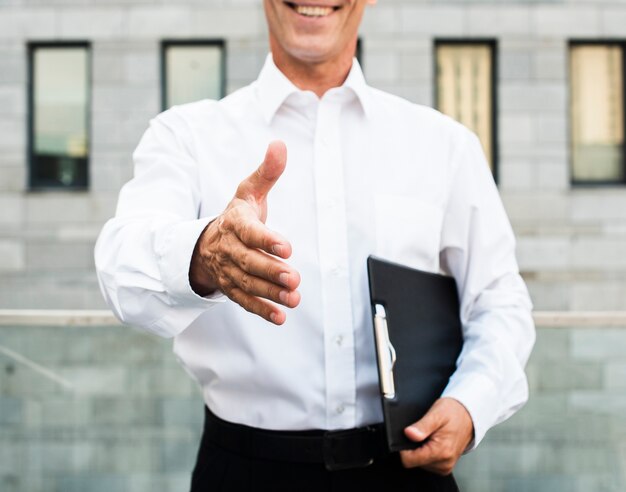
[{"x": 312, "y": 10}]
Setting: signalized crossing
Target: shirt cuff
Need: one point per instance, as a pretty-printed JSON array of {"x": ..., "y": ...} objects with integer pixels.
[
  {"x": 174, "y": 258},
  {"x": 478, "y": 394}
]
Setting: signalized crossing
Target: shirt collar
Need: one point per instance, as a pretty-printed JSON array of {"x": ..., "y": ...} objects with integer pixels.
[
  {"x": 356, "y": 82},
  {"x": 274, "y": 87}
]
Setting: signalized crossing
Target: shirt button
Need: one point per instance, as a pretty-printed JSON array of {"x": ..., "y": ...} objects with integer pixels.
[
  {"x": 339, "y": 340},
  {"x": 334, "y": 271},
  {"x": 340, "y": 409}
]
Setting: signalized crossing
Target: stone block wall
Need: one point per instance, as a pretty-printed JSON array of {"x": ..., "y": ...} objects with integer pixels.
[
  {"x": 570, "y": 238},
  {"x": 129, "y": 419},
  {"x": 571, "y": 434}
]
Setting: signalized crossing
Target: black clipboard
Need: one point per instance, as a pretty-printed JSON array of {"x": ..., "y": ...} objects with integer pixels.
[{"x": 418, "y": 336}]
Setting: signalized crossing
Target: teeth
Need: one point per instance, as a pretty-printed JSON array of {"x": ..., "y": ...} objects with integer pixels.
[{"x": 313, "y": 11}]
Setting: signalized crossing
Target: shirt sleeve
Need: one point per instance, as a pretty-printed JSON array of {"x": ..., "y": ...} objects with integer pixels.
[
  {"x": 478, "y": 249},
  {"x": 143, "y": 254}
]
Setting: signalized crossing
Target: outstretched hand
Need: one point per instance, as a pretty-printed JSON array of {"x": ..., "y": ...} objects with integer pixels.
[
  {"x": 240, "y": 256},
  {"x": 447, "y": 430}
]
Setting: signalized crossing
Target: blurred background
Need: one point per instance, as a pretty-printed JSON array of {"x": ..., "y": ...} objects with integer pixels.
[{"x": 88, "y": 405}]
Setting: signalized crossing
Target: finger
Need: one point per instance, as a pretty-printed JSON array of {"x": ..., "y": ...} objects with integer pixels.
[
  {"x": 424, "y": 427},
  {"x": 259, "y": 287},
  {"x": 438, "y": 451},
  {"x": 255, "y": 234},
  {"x": 260, "y": 182},
  {"x": 268, "y": 311},
  {"x": 262, "y": 265},
  {"x": 421, "y": 456}
]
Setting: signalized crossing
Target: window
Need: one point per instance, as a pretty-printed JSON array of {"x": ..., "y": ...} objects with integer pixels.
[
  {"x": 191, "y": 71},
  {"x": 59, "y": 95},
  {"x": 597, "y": 112},
  {"x": 465, "y": 88}
]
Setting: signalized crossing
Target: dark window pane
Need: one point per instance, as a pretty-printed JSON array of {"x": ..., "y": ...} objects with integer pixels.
[
  {"x": 60, "y": 97},
  {"x": 192, "y": 72},
  {"x": 597, "y": 113},
  {"x": 464, "y": 88}
]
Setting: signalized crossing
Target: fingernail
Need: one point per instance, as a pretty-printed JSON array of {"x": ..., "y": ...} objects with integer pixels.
[
  {"x": 273, "y": 317},
  {"x": 413, "y": 430},
  {"x": 418, "y": 432},
  {"x": 277, "y": 249},
  {"x": 283, "y": 296},
  {"x": 283, "y": 278}
]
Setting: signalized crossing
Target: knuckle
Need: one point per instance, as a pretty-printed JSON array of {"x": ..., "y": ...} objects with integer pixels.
[
  {"x": 267, "y": 242},
  {"x": 220, "y": 256},
  {"x": 222, "y": 223},
  {"x": 236, "y": 209},
  {"x": 270, "y": 273},
  {"x": 267, "y": 312},
  {"x": 225, "y": 283},
  {"x": 245, "y": 231},
  {"x": 273, "y": 292},
  {"x": 245, "y": 281},
  {"x": 244, "y": 261}
]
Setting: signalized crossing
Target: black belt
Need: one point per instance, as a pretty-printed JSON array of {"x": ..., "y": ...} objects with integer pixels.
[{"x": 337, "y": 450}]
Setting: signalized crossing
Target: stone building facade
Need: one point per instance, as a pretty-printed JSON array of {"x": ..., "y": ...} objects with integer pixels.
[
  {"x": 129, "y": 418},
  {"x": 570, "y": 238}
]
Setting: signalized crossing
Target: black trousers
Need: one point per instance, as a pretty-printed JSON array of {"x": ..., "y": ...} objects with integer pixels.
[{"x": 219, "y": 469}]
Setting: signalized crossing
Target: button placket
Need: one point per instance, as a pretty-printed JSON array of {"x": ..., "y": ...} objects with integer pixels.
[{"x": 333, "y": 253}]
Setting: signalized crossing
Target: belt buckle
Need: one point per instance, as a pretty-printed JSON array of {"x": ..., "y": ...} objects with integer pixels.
[{"x": 337, "y": 442}]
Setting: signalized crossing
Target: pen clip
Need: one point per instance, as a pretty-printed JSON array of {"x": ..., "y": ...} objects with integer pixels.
[{"x": 386, "y": 352}]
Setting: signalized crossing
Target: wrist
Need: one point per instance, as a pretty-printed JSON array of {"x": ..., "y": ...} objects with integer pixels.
[{"x": 200, "y": 280}]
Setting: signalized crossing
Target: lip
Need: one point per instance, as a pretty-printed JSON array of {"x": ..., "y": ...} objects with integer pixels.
[
  {"x": 310, "y": 4},
  {"x": 292, "y": 7}
]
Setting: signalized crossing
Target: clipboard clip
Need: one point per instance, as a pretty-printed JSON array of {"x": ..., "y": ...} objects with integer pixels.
[{"x": 386, "y": 352}]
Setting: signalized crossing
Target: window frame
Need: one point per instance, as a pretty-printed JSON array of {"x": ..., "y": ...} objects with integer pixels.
[
  {"x": 32, "y": 46},
  {"x": 583, "y": 183},
  {"x": 492, "y": 44},
  {"x": 167, "y": 43}
]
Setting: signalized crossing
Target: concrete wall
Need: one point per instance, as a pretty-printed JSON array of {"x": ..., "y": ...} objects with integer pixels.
[
  {"x": 570, "y": 240},
  {"x": 131, "y": 420}
]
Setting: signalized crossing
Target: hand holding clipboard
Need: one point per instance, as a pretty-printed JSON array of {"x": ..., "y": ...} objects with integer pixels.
[{"x": 418, "y": 337}]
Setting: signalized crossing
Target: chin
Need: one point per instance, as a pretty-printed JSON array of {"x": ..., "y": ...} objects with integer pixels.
[
  {"x": 311, "y": 49},
  {"x": 310, "y": 56}
]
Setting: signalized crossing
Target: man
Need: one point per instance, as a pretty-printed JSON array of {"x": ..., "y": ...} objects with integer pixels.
[{"x": 348, "y": 171}]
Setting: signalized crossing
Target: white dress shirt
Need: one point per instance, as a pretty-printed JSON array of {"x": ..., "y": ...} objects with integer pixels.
[{"x": 367, "y": 173}]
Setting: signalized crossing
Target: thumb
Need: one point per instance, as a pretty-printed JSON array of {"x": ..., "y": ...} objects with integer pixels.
[
  {"x": 424, "y": 427},
  {"x": 260, "y": 182}
]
